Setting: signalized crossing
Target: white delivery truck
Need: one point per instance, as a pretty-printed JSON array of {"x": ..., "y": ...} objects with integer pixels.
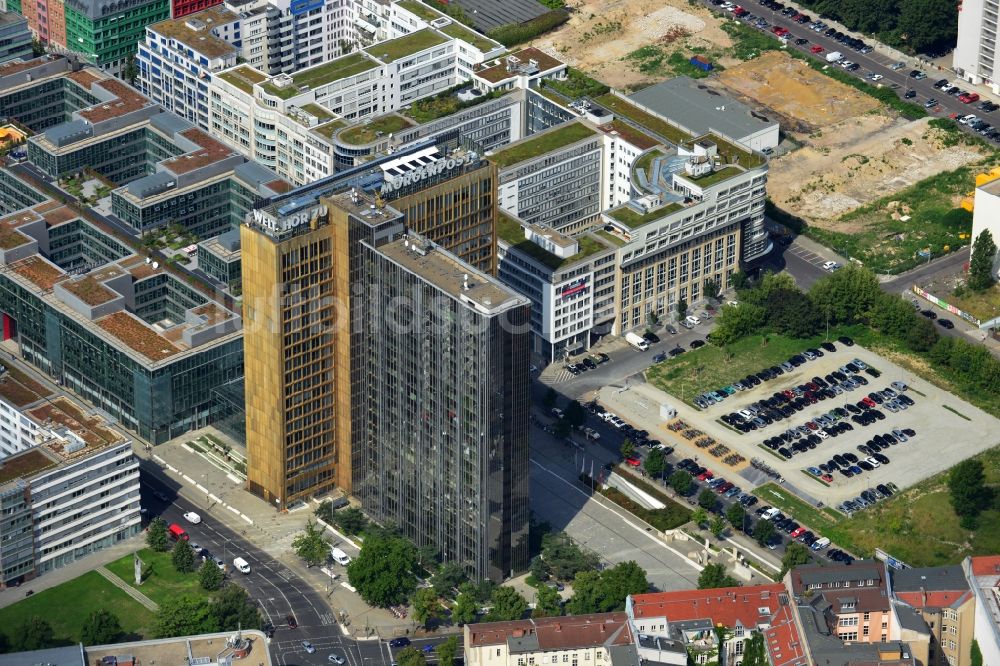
[
  {"x": 340, "y": 557},
  {"x": 242, "y": 565},
  {"x": 637, "y": 341},
  {"x": 835, "y": 56}
]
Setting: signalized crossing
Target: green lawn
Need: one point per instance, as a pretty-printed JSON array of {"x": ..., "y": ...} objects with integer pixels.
[
  {"x": 633, "y": 220},
  {"x": 715, "y": 177},
  {"x": 711, "y": 367},
  {"x": 66, "y": 607},
  {"x": 163, "y": 581},
  {"x": 540, "y": 144},
  {"x": 370, "y": 131},
  {"x": 394, "y": 49}
]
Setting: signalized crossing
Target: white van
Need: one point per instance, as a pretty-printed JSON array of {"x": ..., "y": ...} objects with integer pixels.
[
  {"x": 340, "y": 557},
  {"x": 242, "y": 565},
  {"x": 691, "y": 319}
]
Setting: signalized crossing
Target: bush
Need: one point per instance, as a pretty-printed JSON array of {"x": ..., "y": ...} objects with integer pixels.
[
  {"x": 517, "y": 33},
  {"x": 577, "y": 84},
  {"x": 662, "y": 519}
]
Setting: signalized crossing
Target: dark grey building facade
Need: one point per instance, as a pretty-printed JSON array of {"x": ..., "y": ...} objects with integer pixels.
[{"x": 446, "y": 388}]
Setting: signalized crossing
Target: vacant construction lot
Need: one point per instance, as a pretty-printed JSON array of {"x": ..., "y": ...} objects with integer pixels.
[{"x": 803, "y": 97}]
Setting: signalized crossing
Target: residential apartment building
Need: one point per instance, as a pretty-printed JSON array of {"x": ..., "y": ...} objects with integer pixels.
[
  {"x": 938, "y": 602},
  {"x": 857, "y": 597},
  {"x": 604, "y": 639},
  {"x": 15, "y": 37},
  {"x": 73, "y": 493},
  {"x": 975, "y": 58},
  {"x": 104, "y": 34},
  {"x": 178, "y": 56},
  {"x": 983, "y": 575},
  {"x": 446, "y": 387},
  {"x": 18, "y": 432}
]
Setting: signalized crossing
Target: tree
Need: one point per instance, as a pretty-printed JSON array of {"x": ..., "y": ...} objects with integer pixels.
[
  {"x": 210, "y": 576},
  {"x": 682, "y": 308},
  {"x": 383, "y": 571},
  {"x": 447, "y": 651},
  {"x": 655, "y": 463},
  {"x": 411, "y": 656},
  {"x": 565, "y": 557},
  {"x": 922, "y": 336},
  {"x": 984, "y": 252},
  {"x": 538, "y": 569},
  {"x": 713, "y": 576},
  {"x": 605, "y": 591},
  {"x": 699, "y": 516},
  {"x": 507, "y": 604},
  {"x": 183, "y": 556},
  {"x": 711, "y": 289},
  {"x": 426, "y": 606},
  {"x": 156, "y": 535},
  {"x": 351, "y": 520},
  {"x": 790, "y": 312},
  {"x": 795, "y": 554},
  {"x": 627, "y": 448},
  {"x": 448, "y": 578},
  {"x": 681, "y": 482},
  {"x": 311, "y": 546},
  {"x": 100, "y": 628},
  {"x": 763, "y": 532},
  {"x": 739, "y": 280},
  {"x": 551, "y": 398},
  {"x": 847, "y": 295},
  {"x": 575, "y": 414},
  {"x": 707, "y": 499},
  {"x": 717, "y": 526},
  {"x": 967, "y": 487},
  {"x": 37, "y": 47},
  {"x": 736, "y": 515},
  {"x": 185, "y": 616},
  {"x": 926, "y": 23},
  {"x": 233, "y": 608},
  {"x": 754, "y": 653},
  {"x": 428, "y": 556},
  {"x": 33, "y": 633},
  {"x": 975, "y": 654},
  {"x": 465, "y": 609},
  {"x": 548, "y": 603},
  {"x": 131, "y": 72},
  {"x": 738, "y": 321}
]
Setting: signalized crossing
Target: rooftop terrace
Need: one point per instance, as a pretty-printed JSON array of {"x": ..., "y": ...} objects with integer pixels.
[
  {"x": 243, "y": 77},
  {"x": 88, "y": 290},
  {"x": 374, "y": 129},
  {"x": 542, "y": 143},
  {"x": 415, "y": 42},
  {"x": 128, "y": 100},
  {"x": 211, "y": 151},
  {"x": 321, "y": 75},
  {"x": 714, "y": 177},
  {"x": 27, "y": 463},
  {"x": 62, "y": 412},
  {"x": 137, "y": 335},
  {"x": 730, "y": 152},
  {"x": 633, "y": 219},
  {"x": 19, "y": 389},
  {"x": 512, "y": 232},
  {"x": 639, "y": 139},
  {"x": 500, "y": 72},
  {"x": 200, "y": 38},
  {"x": 40, "y": 272}
]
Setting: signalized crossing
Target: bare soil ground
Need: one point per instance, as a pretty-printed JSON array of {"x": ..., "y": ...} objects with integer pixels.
[
  {"x": 856, "y": 161},
  {"x": 803, "y": 97},
  {"x": 599, "y": 34}
]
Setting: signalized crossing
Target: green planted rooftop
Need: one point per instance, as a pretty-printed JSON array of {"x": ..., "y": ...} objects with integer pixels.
[
  {"x": 420, "y": 9},
  {"x": 243, "y": 78},
  {"x": 542, "y": 143},
  {"x": 715, "y": 177},
  {"x": 329, "y": 129},
  {"x": 324, "y": 74},
  {"x": 654, "y": 124},
  {"x": 364, "y": 133},
  {"x": 634, "y": 219},
  {"x": 511, "y": 232},
  {"x": 394, "y": 49},
  {"x": 318, "y": 111},
  {"x": 459, "y": 31},
  {"x": 732, "y": 153}
]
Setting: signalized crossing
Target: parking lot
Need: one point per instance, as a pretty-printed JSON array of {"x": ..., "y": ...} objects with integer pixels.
[{"x": 947, "y": 429}]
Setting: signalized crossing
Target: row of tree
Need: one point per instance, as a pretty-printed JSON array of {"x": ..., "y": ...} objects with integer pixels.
[{"x": 918, "y": 24}]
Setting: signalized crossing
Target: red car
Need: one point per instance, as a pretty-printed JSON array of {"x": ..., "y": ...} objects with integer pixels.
[
  {"x": 968, "y": 98},
  {"x": 706, "y": 475},
  {"x": 816, "y": 49},
  {"x": 635, "y": 462},
  {"x": 827, "y": 478},
  {"x": 779, "y": 31},
  {"x": 723, "y": 487},
  {"x": 797, "y": 533},
  {"x": 811, "y": 425},
  {"x": 868, "y": 401}
]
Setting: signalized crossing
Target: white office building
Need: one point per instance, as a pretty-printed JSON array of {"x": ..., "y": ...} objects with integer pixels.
[
  {"x": 975, "y": 58},
  {"x": 17, "y": 431}
]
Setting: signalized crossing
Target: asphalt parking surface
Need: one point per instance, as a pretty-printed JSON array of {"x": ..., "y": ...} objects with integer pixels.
[{"x": 943, "y": 438}]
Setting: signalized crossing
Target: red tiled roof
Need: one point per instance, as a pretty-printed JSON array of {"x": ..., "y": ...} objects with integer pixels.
[
  {"x": 933, "y": 599},
  {"x": 557, "y": 633},
  {"x": 723, "y": 606},
  {"x": 987, "y": 565},
  {"x": 782, "y": 640}
]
